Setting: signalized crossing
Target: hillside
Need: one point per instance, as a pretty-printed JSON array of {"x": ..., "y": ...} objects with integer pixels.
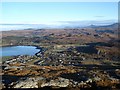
[{"x": 79, "y": 58}]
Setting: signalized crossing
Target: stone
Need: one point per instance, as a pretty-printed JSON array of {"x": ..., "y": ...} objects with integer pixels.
[
  {"x": 89, "y": 81},
  {"x": 60, "y": 82},
  {"x": 28, "y": 83},
  {"x": 97, "y": 79}
]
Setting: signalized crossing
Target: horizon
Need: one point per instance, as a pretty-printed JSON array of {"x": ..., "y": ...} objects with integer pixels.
[{"x": 8, "y": 27}]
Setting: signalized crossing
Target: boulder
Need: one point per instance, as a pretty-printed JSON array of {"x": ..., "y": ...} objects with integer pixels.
[
  {"x": 59, "y": 82},
  {"x": 28, "y": 83}
]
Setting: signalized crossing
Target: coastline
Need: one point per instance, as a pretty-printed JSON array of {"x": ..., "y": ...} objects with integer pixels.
[{"x": 42, "y": 50}]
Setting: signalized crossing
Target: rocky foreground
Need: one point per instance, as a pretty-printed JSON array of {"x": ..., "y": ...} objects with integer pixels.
[{"x": 19, "y": 73}]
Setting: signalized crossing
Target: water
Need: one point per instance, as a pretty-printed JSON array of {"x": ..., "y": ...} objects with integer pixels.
[{"x": 18, "y": 50}]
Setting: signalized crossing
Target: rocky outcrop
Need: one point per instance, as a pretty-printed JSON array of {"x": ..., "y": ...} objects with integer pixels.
[
  {"x": 42, "y": 82},
  {"x": 59, "y": 82},
  {"x": 28, "y": 83}
]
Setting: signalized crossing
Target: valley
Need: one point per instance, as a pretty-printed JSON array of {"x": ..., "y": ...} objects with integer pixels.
[{"x": 80, "y": 58}]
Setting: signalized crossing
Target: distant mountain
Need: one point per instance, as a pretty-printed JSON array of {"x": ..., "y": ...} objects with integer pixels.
[
  {"x": 110, "y": 26},
  {"x": 62, "y": 24},
  {"x": 113, "y": 26}
]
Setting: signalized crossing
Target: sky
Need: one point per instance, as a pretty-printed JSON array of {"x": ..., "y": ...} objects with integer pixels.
[
  {"x": 60, "y": 0},
  {"x": 50, "y": 12}
]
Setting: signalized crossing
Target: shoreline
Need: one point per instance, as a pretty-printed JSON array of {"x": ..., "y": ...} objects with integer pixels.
[{"x": 41, "y": 49}]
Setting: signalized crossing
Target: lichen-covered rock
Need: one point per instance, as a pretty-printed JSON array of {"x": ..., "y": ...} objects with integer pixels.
[
  {"x": 59, "y": 82},
  {"x": 28, "y": 83}
]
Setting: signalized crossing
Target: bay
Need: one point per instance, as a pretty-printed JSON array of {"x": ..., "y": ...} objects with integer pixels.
[{"x": 18, "y": 50}]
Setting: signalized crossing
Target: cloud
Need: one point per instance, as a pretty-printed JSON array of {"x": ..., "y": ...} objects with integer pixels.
[{"x": 99, "y": 16}]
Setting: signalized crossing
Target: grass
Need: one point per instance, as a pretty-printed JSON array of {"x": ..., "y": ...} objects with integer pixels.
[{"x": 4, "y": 58}]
